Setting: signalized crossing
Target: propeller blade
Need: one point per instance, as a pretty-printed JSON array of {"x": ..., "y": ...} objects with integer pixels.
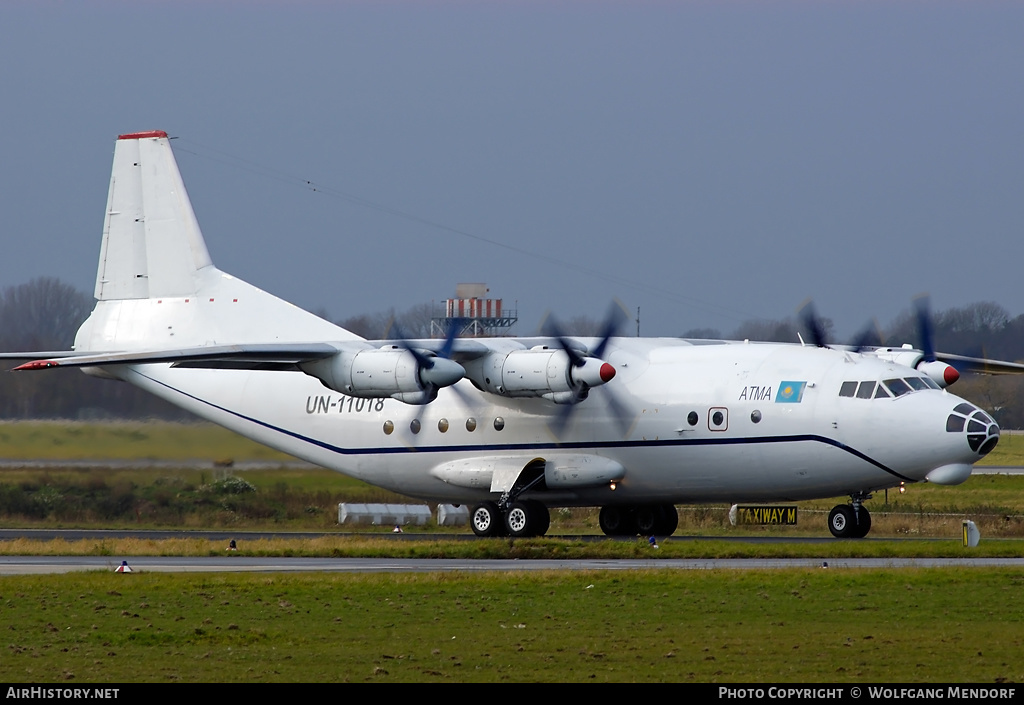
[
  {"x": 552, "y": 329},
  {"x": 868, "y": 338},
  {"x": 612, "y": 323},
  {"x": 925, "y": 331},
  {"x": 590, "y": 370},
  {"x": 435, "y": 370},
  {"x": 812, "y": 324}
]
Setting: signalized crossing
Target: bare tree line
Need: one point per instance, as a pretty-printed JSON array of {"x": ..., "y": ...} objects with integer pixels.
[{"x": 45, "y": 313}]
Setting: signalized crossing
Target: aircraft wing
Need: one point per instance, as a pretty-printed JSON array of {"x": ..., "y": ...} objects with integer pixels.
[
  {"x": 201, "y": 356},
  {"x": 980, "y": 365},
  {"x": 461, "y": 348},
  {"x": 266, "y": 355}
]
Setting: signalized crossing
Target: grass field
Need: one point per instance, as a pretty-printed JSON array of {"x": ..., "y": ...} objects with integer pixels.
[
  {"x": 153, "y": 440},
  {"x": 646, "y": 626}
]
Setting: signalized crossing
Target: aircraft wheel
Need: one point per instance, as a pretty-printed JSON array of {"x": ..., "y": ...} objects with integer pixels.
[
  {"x": 617, "y": 521},
  {"x": 670, "y": 520},
  {"x": 863, "y": 523},
  {"x": 842, "y": 522},
  {"x": 541, "y": 517},
  {"x": 486, "y": 520},
  {"x": 648, "y": 519},
  {"x": 522, "y": 519}
]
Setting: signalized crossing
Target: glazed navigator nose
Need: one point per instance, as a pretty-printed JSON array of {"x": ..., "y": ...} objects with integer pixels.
[{"x": 982, "y": 432}]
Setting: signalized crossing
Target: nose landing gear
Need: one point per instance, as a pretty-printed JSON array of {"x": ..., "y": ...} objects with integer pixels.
[{"x": 850, "y": 521}]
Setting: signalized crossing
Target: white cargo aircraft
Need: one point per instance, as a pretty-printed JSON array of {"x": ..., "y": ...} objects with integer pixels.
[{"x": 511, "y": 426}]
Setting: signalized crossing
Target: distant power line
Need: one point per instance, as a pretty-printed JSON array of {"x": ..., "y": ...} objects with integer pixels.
[{"x": 244, "y": 164}]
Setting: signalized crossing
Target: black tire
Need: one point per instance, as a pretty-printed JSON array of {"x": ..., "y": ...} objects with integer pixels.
[
  {"x": 656, "y": 519},
  {"x": 863, "y": 523},
  {"x": 486, "y": 520},
  {"x": 670, "y": 520},
  {"x": 617, "y": 521},
  {"x": 541, "y": 517},
  {"x": 648, "y": 518},
  {"x": 842, "y": 522}
]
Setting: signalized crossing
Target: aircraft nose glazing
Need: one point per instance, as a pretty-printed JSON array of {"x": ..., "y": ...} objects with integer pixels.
[{"x": 982, "y": 431}]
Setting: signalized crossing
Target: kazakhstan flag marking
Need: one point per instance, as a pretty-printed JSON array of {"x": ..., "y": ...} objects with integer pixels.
[{"x": 790, "y": 392}]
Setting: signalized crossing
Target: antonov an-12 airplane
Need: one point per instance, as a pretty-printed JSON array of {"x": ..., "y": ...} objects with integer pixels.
[{"x": 511, "y": 426}]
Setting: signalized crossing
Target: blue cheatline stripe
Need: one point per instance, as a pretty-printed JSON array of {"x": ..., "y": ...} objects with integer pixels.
[{"x": 595, "y": 445}]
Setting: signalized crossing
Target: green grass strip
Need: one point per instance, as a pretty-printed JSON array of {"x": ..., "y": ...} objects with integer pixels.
[{"x": 798, "y": 626}]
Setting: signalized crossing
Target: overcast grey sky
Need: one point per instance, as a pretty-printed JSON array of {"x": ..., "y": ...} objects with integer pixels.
[{"x": 709, "y": 162}]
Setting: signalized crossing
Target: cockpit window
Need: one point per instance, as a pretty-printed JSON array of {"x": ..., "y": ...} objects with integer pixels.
[
  {"x": 916, "y": 382},
  {"x": 897, "y": 386},
  {"x": 892, "y": 388}
]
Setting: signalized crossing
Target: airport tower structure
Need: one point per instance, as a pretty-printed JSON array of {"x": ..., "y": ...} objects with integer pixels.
[{"x": 475, "y": 315}]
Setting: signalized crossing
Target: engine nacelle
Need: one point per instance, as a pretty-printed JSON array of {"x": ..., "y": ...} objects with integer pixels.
[
  {"x": 538, "y": 372},
  {"x": 390, "y": 371},
  {"x": 940, "y": 373},
  {"x": 906, "y": 356}
]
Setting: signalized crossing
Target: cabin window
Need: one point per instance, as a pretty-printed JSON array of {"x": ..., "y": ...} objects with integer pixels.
[
  {"x": 389, "y": 428},
  {"x": 414, "y": 426},
  {"x": 499, "y": 423},
  {"x": 442, "y": 425},
  {"x": 718, "y": 418},
  {"x": 692, "y": 418},
  {"x": 471, "y": 424}
]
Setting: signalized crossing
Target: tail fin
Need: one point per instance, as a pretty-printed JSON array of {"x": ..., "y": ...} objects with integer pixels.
[
  {"x": 156, "y": 284},
  {"x": 152, "y": 245}
]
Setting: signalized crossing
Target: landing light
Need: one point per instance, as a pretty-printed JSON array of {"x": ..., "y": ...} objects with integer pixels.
[
  {"x": 612, "y": 486},
  {"x": 903, "y": 488}
]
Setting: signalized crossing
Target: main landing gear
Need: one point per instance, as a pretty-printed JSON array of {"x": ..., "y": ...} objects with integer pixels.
[
  {"x": 521, "y": 519},
  {"x": 850, "y": 521},
  {"x": 645, "y": 519},
  {"x": 511, "y": 516}
]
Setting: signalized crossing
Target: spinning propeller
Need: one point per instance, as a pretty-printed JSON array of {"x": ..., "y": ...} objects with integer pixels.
[
  {"x": 589, "y": 370},
  {"x": 869, "y": 337},
  {"x": 870, "y": 340},
  {"x": 436, "y": 370}
]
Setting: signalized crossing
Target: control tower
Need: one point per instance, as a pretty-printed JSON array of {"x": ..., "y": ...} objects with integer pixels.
[{"x": 475, "y": 315}]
